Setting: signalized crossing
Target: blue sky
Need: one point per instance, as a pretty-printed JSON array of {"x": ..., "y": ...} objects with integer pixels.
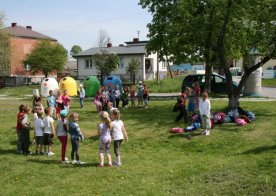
[{"x": 79, "y": 21}]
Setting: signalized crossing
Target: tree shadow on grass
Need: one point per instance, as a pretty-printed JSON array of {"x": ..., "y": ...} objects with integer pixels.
[
  {"x": 259, "y": 150},
  {"x": 185, "y": 135},
  {"x": 44, "y": 161},
  {"x": 7, "y": 151}
]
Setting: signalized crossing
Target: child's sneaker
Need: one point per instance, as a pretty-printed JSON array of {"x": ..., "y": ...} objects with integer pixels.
[
  {"x": 117, "y": 164},
  {"x": 79, "y": 162},
  {"x": 110, "y": 165},
  {"x": 50, "y": 153},
  {"x": 204, "y": 132},
  {"x": 65, "y": 162},
  {"x": 207, "y": 132},
  {"x": 101, "y": 165},
  {"x": 74, "y": 162}
]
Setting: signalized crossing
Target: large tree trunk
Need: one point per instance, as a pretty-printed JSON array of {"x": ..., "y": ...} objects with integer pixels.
[
  {"x": 234, "y": 101},
  {"x": 208, "y": 70}
]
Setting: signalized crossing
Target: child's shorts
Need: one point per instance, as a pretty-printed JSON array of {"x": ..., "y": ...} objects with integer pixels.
[
  {"x": 39, "y": 140},
  {"x": 191, "y": 107},
  {"x": 48, "y": 139},
  {"x": 105, "y": 146}
]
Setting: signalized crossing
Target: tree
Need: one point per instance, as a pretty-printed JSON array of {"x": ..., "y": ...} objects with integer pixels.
[
  {"x": 106, "y": 63},
  {"x": 103, "y": 39},
  {"x": 133, "y": 67},
  {"x": 217, "y": 31},
  {"x": 75, "y": 50},
  {"x": 4, "y": 48},
  {"x": 46, "y": 57}
]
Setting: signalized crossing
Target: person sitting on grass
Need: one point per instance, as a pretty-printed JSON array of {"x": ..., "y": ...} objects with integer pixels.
[
  {"x": 105, "y": 138},
  {"x": 205, "y": 110}
]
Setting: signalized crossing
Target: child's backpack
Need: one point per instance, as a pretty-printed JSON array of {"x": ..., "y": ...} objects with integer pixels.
[
  {"x": 227, "y": 119},
  {"x": 251, "y": 115},
  {"x": 217, "y": 118},
  {"x": 241, "y": 122}
]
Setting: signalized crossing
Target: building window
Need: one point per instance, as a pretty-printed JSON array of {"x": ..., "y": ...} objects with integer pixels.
[
  {"x": 121, "y": 64},
  {"x": 27, "y": 67},
  {"x": 88, "y": 63},
  {"x": 164, "y": 64}
]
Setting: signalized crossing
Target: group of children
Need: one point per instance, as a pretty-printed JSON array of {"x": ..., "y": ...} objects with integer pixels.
[
  {"x": 45, "y": 131},
  {"x": 194, "y": 104},
  {"x": 105, "y": 96}
]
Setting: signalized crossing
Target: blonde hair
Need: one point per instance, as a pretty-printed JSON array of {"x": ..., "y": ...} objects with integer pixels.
[
  {"x": 116, "y": 113},
  {"x": 71, "y": 117},
  {"x": 105, "y": 118}
]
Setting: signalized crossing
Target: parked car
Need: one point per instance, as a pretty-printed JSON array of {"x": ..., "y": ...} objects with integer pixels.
[{"x": 218, "y": 82}]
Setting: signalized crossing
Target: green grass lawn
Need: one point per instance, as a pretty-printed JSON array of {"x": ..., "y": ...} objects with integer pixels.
[
  {"x": 167, "y": 85},
  {"x": 269, "y": 82},
  {"x": 231, "y": 161}
]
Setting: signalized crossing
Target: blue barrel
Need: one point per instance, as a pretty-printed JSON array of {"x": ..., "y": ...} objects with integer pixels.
[{"x": 113, "y": 80}]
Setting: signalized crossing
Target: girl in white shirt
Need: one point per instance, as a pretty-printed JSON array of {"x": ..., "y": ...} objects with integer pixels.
[
  {"x": 205, "y": 109},
  {"x": 119, "y": 133},
  {"x": 38, "y": 132}
]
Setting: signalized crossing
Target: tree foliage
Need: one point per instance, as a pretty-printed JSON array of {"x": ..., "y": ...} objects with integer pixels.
[
  {"x": 133, "y": 67},
  {"x": 75, "y": 50},
  {"x": 105, "y": 63},
  {"x": 216, "y": 31},
  {"x": 4, "y": 48},
  {"x": 46, "y": 57}
]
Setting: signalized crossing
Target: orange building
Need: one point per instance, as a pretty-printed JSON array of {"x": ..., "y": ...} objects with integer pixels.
[{"x": 22, "y": 41}]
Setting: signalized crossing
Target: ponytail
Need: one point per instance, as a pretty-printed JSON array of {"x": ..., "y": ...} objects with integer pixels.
[{"x": 105, "y": 118}]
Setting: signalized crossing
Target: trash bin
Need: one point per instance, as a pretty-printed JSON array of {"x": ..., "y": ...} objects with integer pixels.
[
  {"x": 113, "y": 80},
  {"x": 91, "y": 85},
  {"x": 69, "y": 84},
  {"x": 49, "y": 84}
]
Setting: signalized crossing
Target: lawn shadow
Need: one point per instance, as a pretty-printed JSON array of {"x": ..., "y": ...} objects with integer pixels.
[
  {"x": 7, "y": 151},
  {"x": 43, "y": 161},
  {"x": 94, "y": 138},
  {"x": 259, "y": 150},
  {"x": 185, "y": 135}
]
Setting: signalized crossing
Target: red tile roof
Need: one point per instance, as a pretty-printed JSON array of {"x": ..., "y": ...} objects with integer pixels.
[{"x": 19, "y": 31}]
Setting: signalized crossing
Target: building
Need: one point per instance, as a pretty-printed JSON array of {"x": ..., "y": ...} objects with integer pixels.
[
  {"x": 69, "y": 69},
  {"x": 149, "y": 63},
  {"x": 21, "y": 41}
]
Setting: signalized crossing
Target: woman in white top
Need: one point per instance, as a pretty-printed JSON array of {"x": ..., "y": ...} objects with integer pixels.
[{"x": 119, "y": 133}]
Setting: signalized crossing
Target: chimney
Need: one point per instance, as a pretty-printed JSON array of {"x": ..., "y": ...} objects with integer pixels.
[
  {"x": 109, "y": 45},
  {"x": 13, "y": 24},
  {"x": 135, "y": 40},
  {"x": 29, "y": 27}
]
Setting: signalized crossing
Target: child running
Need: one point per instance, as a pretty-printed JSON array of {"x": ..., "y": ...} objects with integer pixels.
[
  {"x": 119, "y": 133},
  {"x": 62, "y": 127},
  {"x": 38, "y": 132},
  {"x": 204, "y": 109},
  {"x": 49, "y": 132},
  {"x": 76, "y": 137},
  {"x": 105, "y": 138}
]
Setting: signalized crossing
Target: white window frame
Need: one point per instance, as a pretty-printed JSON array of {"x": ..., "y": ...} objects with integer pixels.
[{"x": 88, "y": 64}]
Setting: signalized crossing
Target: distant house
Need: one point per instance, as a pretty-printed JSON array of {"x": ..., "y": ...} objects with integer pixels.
[
  {"x": 135, "y": 49},
  {"x": 69, "y": 69},
  {"x": 22, "y": 41}
]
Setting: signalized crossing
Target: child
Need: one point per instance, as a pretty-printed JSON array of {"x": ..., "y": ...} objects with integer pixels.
[
  {"x": 140, "y": 94},
  {"x": 105, "y": 138},
  {"x": 26, "y": 127},
  {"x": 76, "y": 137},
  {"x": 49, "y": 132},
  {"x": 124, "y": 97},
  {"x": 81, "y": 95},
  {"x": 62, "y": 127},
  {"x": 117, "y": 96},
  {"x": 204, "y": 109},
  {"x": 119, "y": 132},
  {"x": 111, "y": 94},
  {"x": 37, "y": 100},
  {"x": 59, "y": 104},
  {"x": 66, "y": 100},
  {"x": 110, "y": 109},
  {"x": 38, "y": 132},
  {"x": 132, "y": 96},
  {"x": 146, "y": 96},
  {"x": 180, "y": 105},
  {"x": 192, "y": 101},
  {"x": 98, "y": 100},
  {"x": 51, "y": 102},
  {"x": 20, "y": 115}
]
